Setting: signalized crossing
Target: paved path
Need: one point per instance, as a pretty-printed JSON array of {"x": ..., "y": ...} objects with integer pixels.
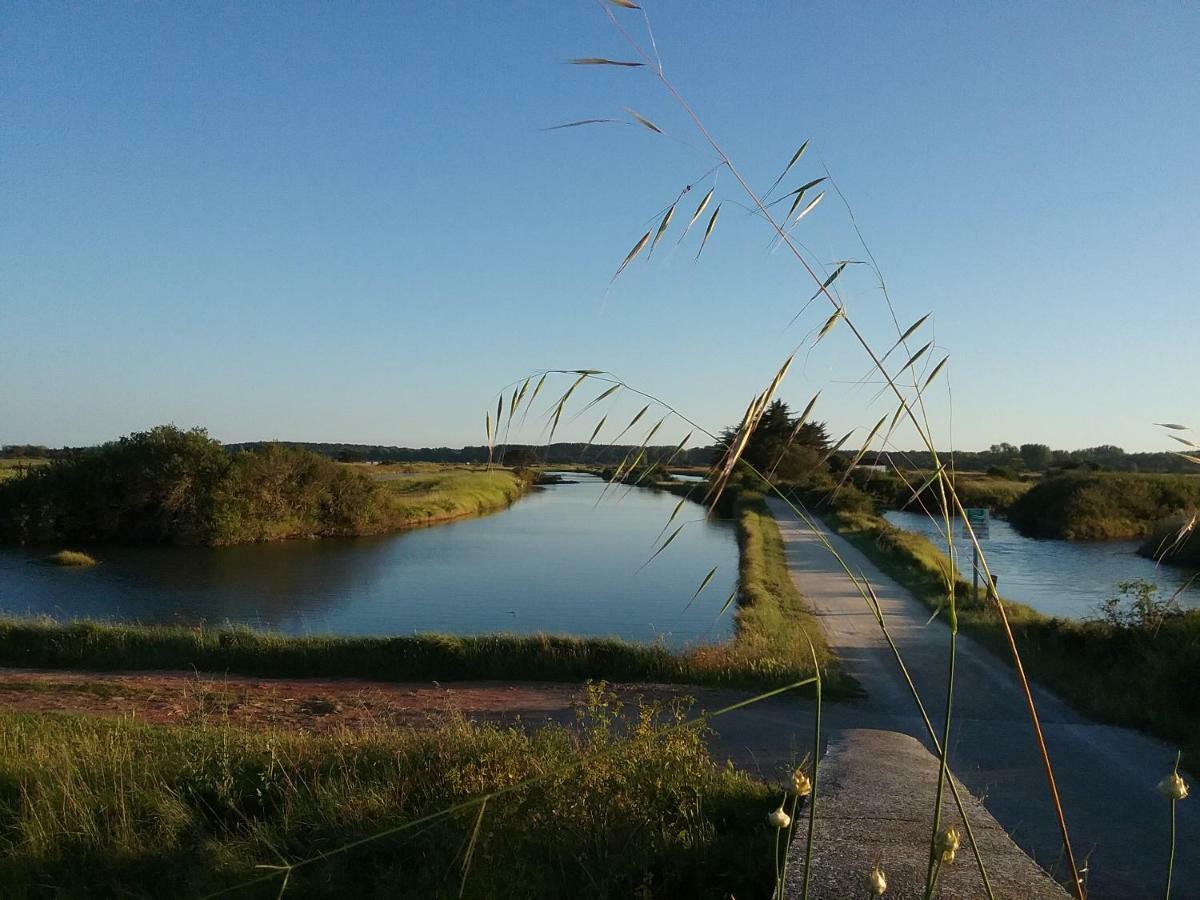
[
  {"x": 868, "y": 815},
  {"x": 1106, "y": 775}
]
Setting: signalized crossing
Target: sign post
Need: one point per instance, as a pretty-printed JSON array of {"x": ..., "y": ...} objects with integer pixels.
[{"x": 977, "y": 518}]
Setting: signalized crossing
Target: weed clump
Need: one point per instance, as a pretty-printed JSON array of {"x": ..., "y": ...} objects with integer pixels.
[{"x": 70, "y": 558}]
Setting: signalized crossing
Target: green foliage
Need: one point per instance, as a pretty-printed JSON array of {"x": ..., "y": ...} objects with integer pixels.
[
  {"x": 43, "y": 643},
  {"x": 151, "y": 487},
  {"x": 167, "y": 485},
  {"x": 1036, "y": 456},
  {"x": 1105, "y": 457},
  {"x": 889, "y": 490},
  {"x": 96, "y": 808},
  {"x": 775, "y": 626},
  {"x": 772, "y": 447},
  {"x": 1138, "y": 607},
  {"x": 1175, "y": 539},
  {"x": 1097, "y": 506}
]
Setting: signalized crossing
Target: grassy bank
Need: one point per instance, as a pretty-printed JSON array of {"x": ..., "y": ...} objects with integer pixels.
[
  {"x": 1174, "y": 540},
  {"x": 42, "y": 643},
  {"x": 96, "y": 808},
  {"x": 451, "y": 494},
  {"x": 890, "y": 491},
  {"x": 774, "y": 626},
  {"x": 169, "y": 486},
  {"x": 1138, "y": 675},
  {"x": 1102, "y": 505}
]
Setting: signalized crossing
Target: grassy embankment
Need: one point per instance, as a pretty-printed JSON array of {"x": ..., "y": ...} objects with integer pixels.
[
  {"x": 1103, "y": 505},
  {"x": 889, "y": 491},
  {"x": 427, "y": 499},
  {"x": 1137, "y": 676},
  {"x": 774, "y": 626},
  {"x": 168, "y": 486},
  {"x": 96, "y": 808}
]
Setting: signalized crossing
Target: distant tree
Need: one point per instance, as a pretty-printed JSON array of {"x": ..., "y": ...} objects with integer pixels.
[
  {"x": 522, "y": 458},
  {"x": 772, "y": 446},
  {"x": 1036, "y": 456}
]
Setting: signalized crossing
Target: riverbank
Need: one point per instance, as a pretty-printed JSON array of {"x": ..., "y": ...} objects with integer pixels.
[
  {"x": 1138, "y": 674},
  {"x": 889, "y": 491},
  {"x": 175, "y": 487},
  {"x": 448, "y": 495},
  {"x": 765, "y": 647},
  {"x": 775, "y": 627},
  {"x": 113, "y": 806},
  {"x": 1103, "y": 505}
]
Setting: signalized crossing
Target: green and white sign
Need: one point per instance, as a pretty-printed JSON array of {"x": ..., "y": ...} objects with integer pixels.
[{"x": 978, "y": 518}]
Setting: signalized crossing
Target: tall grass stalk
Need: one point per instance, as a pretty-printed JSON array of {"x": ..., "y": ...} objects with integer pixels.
[
  {"x": 1171, "y": 851},
  {"x": 812, "y": 798},
  {"x": 919, "y": 422}
]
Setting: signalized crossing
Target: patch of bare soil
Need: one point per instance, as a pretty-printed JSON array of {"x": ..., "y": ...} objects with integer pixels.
[{"x": 314, "y": 705}]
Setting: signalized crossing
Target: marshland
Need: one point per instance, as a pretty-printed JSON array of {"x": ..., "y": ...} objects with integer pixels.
[{"x": 508, "y": 453}]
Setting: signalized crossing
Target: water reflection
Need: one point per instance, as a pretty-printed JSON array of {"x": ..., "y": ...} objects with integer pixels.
[
  {"x": 553, "y": 562},
  {"x": 1059, "y": 578}
]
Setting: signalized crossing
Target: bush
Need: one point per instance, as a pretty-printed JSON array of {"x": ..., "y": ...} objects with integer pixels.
[
  {"x": 1138, "y": 606},
  {"x": 1098, "y": 506}
]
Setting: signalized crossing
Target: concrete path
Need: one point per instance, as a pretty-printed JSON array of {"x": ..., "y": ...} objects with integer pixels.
[
  {"x": 868, "y": 815},
  {"x": 1106, "y": 775}
]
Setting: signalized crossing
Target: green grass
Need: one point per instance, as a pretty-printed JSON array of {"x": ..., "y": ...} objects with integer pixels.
[
  {"x": 1140, "y": 677},
  {"x": 43, "y": 643},
  {"x": 890, "y": 491},
  {"x": 14, "y": 468},
  {"x": 1102, "y": 505},
  {"x": 96, "y": 808},
  {"x": 449, "y": 494},
  {"x": 774, "y": 625},
  {"x": 996, "y": 494},
  {"x": 70, "y": 558}
]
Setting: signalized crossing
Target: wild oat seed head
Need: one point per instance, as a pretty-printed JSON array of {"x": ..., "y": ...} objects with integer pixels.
[
  {"x": 801, "y": 786},
  {"x": 947, "y": 843},
  {"x": 1173, "y": 787},
  {"x": 778, "y": 818},
  {"x": 875, "y": 882}
]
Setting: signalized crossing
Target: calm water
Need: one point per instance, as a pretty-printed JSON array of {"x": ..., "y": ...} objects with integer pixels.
[
  {"x": 1059, "y": 578},
  {"x": 553, "y": 562}
]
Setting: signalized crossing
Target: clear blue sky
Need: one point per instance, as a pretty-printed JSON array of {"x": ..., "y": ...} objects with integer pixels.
[{"x": 342, "y": 222}]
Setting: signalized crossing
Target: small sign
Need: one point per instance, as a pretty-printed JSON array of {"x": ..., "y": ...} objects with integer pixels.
[{"x": 978, "y": 518}]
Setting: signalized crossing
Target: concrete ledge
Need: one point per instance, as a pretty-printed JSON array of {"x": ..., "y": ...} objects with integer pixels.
[{"x": 875, "y": 806}]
